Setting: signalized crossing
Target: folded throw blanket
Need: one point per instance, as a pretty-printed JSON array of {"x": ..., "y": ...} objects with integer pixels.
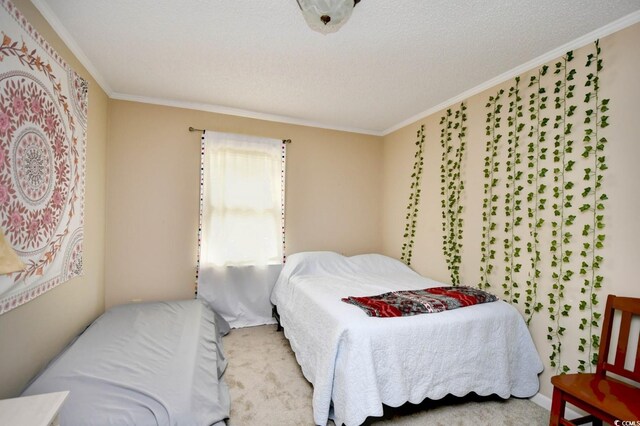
[{"x": 414, "y": 302}]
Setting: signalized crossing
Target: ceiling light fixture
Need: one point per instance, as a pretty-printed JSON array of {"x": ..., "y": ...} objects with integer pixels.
[{"x": 326, "y": 16}]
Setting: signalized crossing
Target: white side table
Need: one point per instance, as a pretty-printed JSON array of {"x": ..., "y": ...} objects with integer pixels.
[{"x": 34, "y": 410}]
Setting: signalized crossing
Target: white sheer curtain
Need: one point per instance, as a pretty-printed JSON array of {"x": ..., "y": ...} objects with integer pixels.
[{"x": 241, "y": 225}]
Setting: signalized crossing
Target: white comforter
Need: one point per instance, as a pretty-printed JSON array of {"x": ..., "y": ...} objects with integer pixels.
[{"x": 357, "y": 363}]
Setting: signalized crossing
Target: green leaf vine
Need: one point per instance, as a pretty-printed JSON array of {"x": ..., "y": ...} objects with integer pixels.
[
  {"x": 561, "y": 237},
  {"x": 551, "y": 193},
  {"x": 414, "y": 199},
  {"x": 593, "y": 230},
  {"x": 512, "y": 198},
  {"x": 490, "y": 200},
  {"x": 536, "y": 154},
  {"x": 452, "y": 187}
]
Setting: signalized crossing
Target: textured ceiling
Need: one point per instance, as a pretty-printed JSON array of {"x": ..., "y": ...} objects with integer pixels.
[{"x": 392, "y": 61}]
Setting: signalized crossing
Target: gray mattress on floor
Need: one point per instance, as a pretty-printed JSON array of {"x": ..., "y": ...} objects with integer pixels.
[{"x": 143, "y": 364}]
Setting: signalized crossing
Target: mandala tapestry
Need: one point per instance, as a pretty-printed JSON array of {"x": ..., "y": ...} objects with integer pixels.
[{"x": 43, "y": 120}]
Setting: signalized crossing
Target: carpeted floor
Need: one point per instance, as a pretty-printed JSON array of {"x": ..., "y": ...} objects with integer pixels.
[{"x": 268, "y": 389}]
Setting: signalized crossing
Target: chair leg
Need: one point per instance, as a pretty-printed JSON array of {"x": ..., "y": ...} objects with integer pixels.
[
  {"x": 557, "y": 408},
  {"x": 591, "y": 419}
]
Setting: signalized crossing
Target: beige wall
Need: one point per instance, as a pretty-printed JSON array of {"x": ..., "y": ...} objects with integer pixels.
[
  {"x": 620, "y": 83},
  {"x": 32, "y": 334},
  {"x": 332, "y": 194}
]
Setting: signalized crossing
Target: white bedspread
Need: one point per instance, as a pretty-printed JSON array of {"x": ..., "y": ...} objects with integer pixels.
[{"x": 359, "y": 363}]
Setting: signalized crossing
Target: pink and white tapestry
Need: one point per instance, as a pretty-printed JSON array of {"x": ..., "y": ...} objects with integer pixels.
[{"x": 43, "y": 121}]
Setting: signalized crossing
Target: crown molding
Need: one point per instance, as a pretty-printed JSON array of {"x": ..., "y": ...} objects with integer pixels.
[
  {"x": 62, "y": 32},
  {"x": 219, "y": 109},
  {"x": 624, "y": 22}
]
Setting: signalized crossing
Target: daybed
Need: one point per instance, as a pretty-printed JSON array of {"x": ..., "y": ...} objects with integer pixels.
[
  {"x": 357, "y": 363},
  {"x": 143, "y": 364}
]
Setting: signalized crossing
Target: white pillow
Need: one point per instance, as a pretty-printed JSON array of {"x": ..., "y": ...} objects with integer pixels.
[
  {"x": 314, "y": 263},
  {"x": 332, "y": 263}
]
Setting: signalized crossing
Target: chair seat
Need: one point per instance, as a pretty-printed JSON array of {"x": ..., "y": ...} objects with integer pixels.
[{"x": 619, "y": 399}]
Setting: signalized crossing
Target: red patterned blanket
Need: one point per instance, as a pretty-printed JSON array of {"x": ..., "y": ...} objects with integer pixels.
[{"x": 414, "y": 302}]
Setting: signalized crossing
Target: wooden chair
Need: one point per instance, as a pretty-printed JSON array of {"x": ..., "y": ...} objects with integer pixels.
[{"x": 604, "y": 397}]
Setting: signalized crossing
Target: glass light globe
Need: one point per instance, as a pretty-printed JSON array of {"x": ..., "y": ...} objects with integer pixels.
[{"x": 326, "y": 16}]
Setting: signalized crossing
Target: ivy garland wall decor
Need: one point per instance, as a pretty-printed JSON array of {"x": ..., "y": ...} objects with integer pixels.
[
  {"x": 536, "y": 154},
  {"x": 512, "y": 200},
  {"x": 489, "y": 203},
  {"x": 562, "y": 208},
  {"x": 549, "y": 223},
  {"x": 414, "y": 199},
  {"x": 535, "y": 200},
  {"x": 452, "y": 187},
  {"x": 594, "y": 198}
]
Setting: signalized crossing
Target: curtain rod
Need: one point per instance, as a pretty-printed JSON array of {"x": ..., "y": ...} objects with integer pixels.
[{"x": 193, "y": 129}]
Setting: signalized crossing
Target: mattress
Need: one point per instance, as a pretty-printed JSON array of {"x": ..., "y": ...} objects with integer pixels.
[
  {"x": 357, "y": 363},
  {"x": 143, "y": 364}
]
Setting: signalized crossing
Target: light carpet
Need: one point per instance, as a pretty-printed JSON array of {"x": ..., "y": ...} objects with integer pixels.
[{"x": 268, "y": 389}]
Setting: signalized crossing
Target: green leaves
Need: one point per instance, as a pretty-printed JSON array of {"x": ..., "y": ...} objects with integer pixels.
[
  {"x": 563, "y": 204},
  {"x": 452, "y": 187},
  {"x": 490, "y": 200},
  {"x": 414, "y": 199},
  {"x": 513, "y": 197},
  {"x": 594, "y": 205},
  {"x": 551, "y": 182},
  {"x": 536, "y": 197}
]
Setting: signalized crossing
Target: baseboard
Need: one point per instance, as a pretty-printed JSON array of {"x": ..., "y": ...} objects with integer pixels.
[{"x": 545, "y": 403}]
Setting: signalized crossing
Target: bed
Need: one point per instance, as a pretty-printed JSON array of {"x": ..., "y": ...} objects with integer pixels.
[
  {"x": 143, "y": 364},
  {"x": 357, "y": 363}
]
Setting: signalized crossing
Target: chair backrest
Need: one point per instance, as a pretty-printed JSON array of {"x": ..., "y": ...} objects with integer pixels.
[{"x": 628, "y": 307}]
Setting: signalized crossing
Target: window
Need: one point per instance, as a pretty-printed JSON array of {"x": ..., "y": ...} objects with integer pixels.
[{"x": 242, "y": 200}]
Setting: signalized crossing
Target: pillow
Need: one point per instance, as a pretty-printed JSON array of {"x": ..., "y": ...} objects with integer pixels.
[
  {"x": 314, "y": 263},
  {"x": 332, "y": 263}
]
